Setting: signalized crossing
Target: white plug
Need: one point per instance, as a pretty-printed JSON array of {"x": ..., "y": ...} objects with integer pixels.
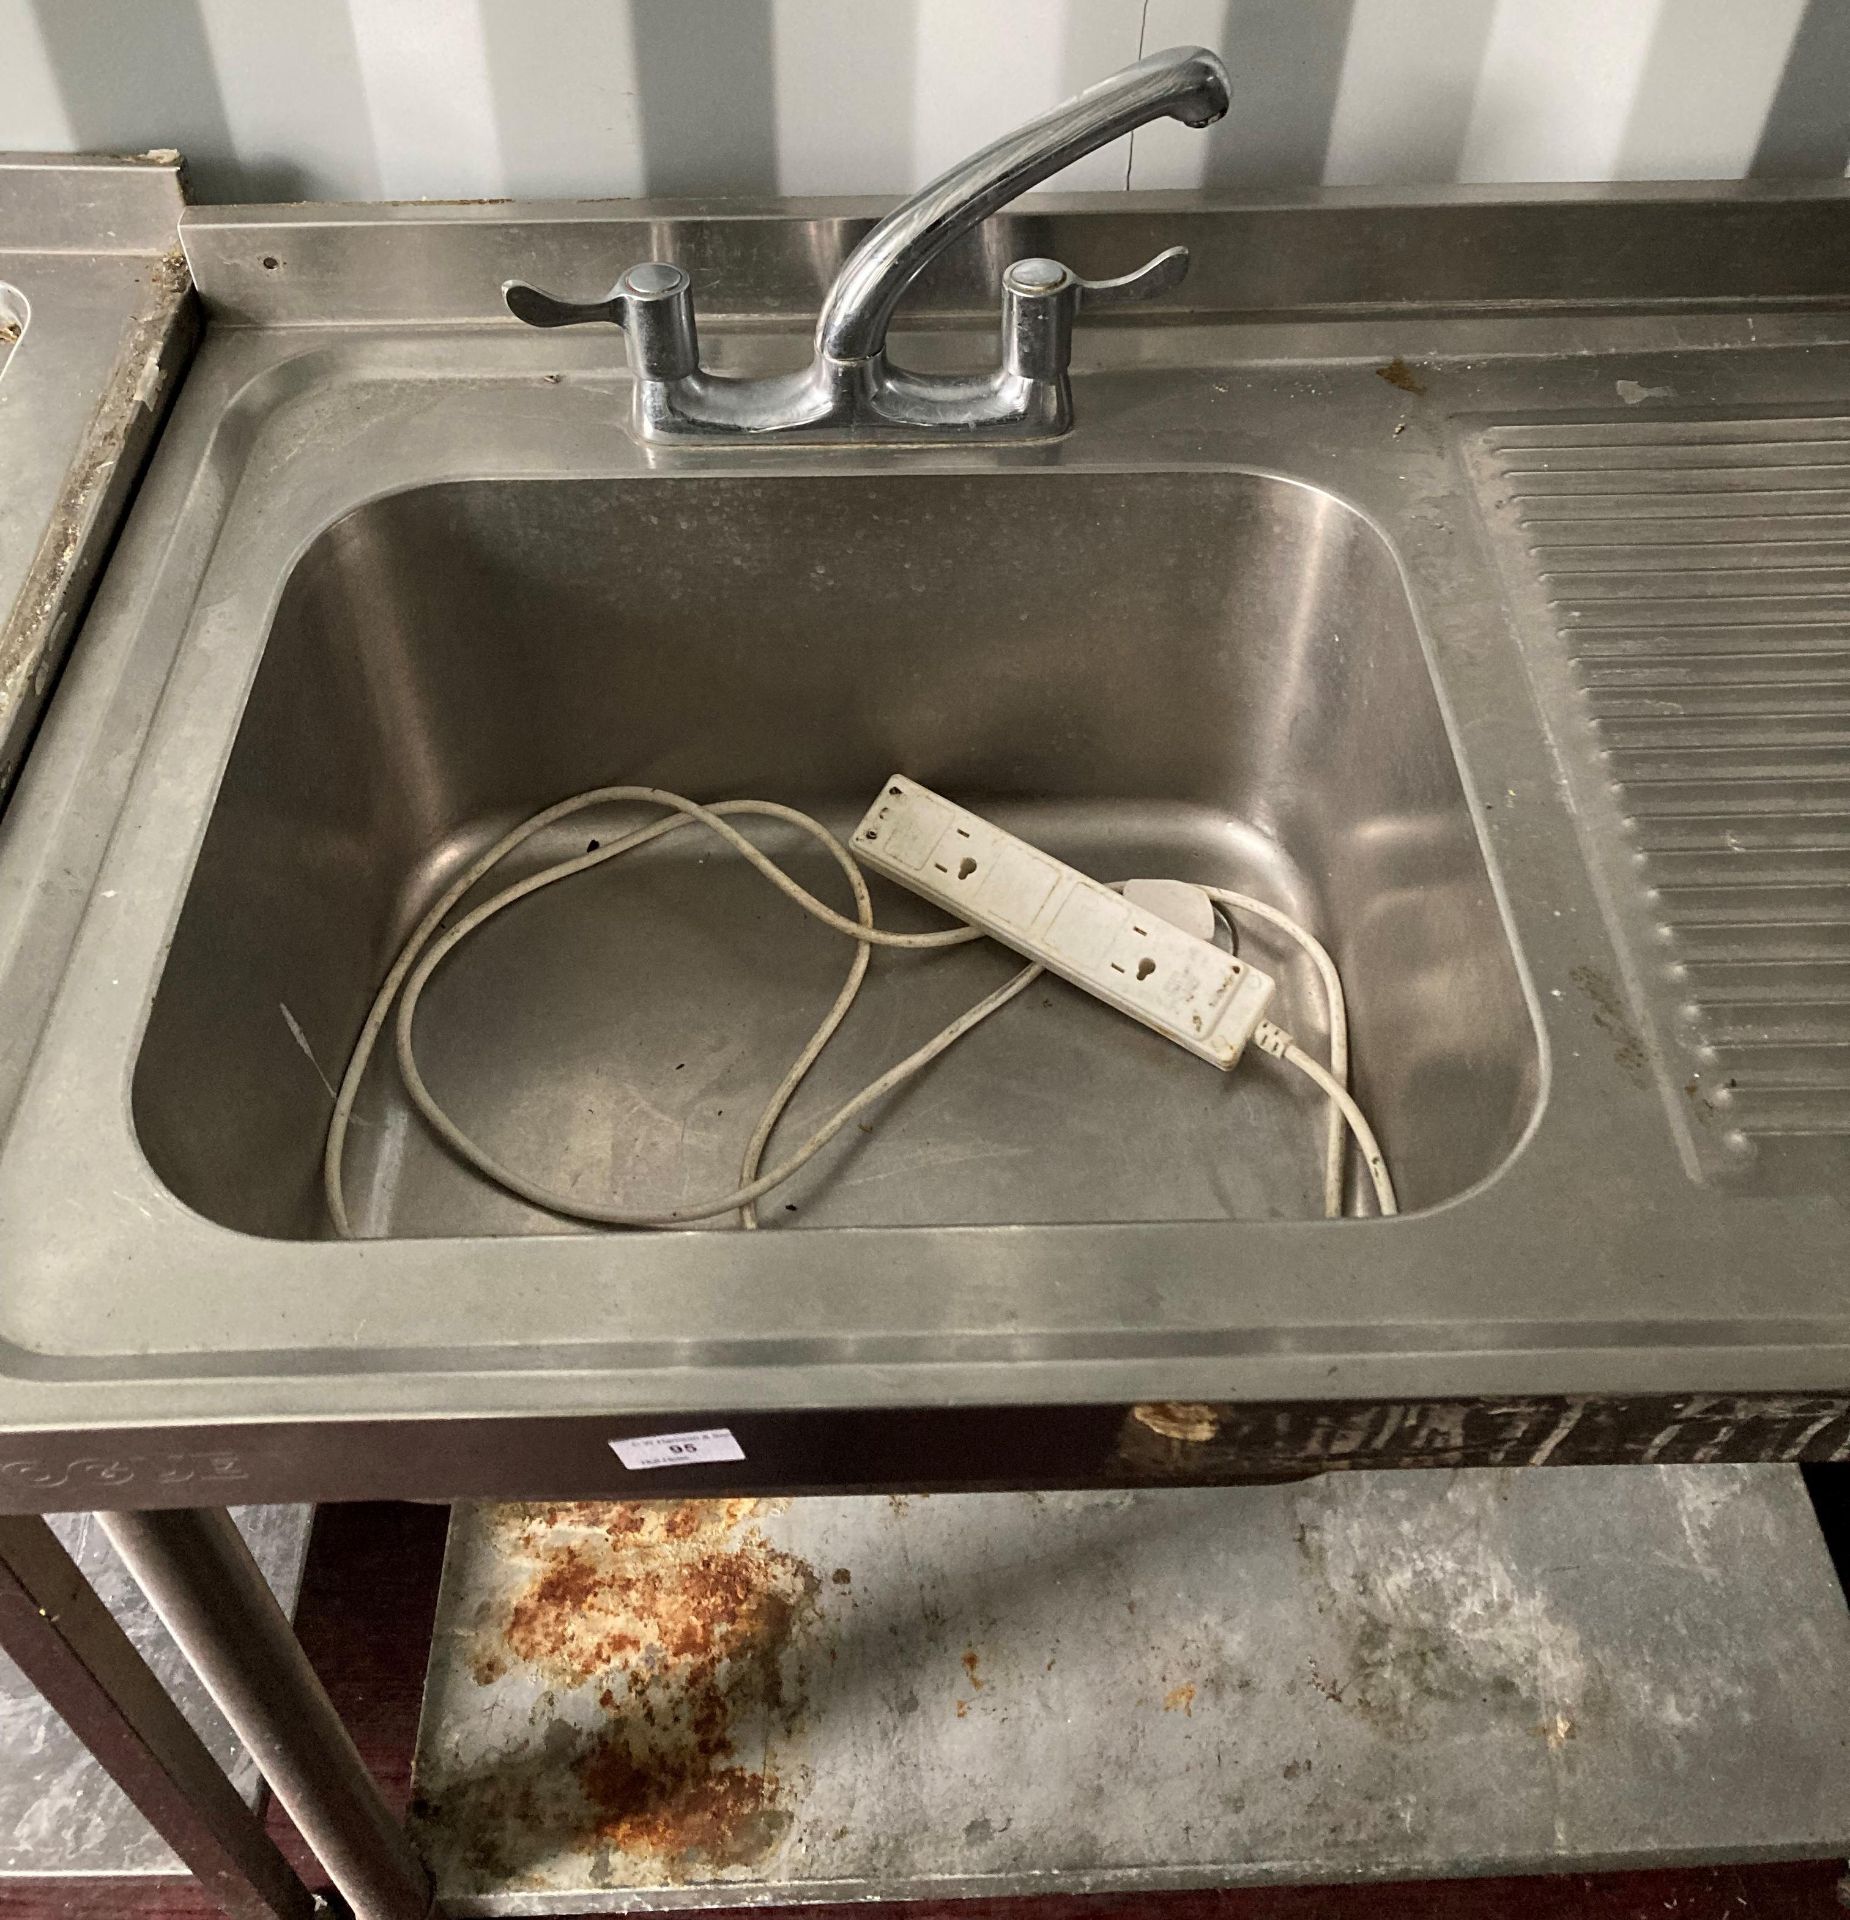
[
  {"x": 1132, "y": 957},
  {"x": 1180, "y": 903}
]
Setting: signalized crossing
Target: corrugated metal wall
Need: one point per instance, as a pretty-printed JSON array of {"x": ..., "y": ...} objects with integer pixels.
[{"x": 364, "y": 99}]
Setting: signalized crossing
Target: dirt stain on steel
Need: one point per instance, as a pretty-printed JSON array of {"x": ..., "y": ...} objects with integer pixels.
[
  {"x": 686, "y": 1632},
  {"x": 36, "y": 631},
  {"x": 1707, "y": 1103},
  {"x": 1332, "y": 1690},
  {"x": 1611, "y": 1017},
  {"x": 1440, "y": 1634},
  {"x": 1398, "y": 374}
]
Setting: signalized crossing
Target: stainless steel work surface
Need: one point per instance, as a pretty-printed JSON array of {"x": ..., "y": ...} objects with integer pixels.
[
  {"x": 1687, "y": 592},
  {"x": 93, "y": 292},
  {"x": 1391, "y": 1675},
  {"x": 59, "y": 1811},
  {"x": 1565, "y": 801}
]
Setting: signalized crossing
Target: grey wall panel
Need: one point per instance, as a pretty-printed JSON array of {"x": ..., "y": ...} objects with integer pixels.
[
  {"x": 361, "y": 99},
  {"x": 1807, "y": 125}
]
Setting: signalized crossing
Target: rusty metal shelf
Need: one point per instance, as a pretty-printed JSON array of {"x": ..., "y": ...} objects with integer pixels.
[{"x": 1389, "y": 1675}]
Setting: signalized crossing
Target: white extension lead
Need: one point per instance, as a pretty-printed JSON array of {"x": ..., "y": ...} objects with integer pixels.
[{"x": 431, "y": 943}]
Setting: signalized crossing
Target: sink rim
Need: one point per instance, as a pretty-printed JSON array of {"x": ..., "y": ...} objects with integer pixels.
[{"x": 973, "y": 466}]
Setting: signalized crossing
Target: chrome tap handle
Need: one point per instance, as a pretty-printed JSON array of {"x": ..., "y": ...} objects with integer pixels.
[
  {"x": 652, "y": 303},
  {"x": 1168, "y": 269},
  {"x": 536, "y": 309},
  {"x": 1041, "y": 297}
]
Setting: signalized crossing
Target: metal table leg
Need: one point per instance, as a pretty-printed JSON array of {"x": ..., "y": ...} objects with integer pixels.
[
  {"x": 200, "y": 1578},
  {"x": 71, "y": 1648}
]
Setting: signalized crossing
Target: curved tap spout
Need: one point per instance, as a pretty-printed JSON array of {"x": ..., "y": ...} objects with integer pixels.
[{"x": 1183, "y": 83}]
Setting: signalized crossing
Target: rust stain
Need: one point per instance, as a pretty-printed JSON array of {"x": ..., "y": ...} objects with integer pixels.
[
  {"x": 688, "y": 1627},
  {"x": 524, "y": 1527},
  {"x": 970, "y": 1666},
  {"x": 963, "y": 1709},
  {"x": 1398, "y": 374},
  {"x": 683, "y": 1810},
  {"x": 1188, "y": 1420},
  {"x": 1180, "y": 1700}
]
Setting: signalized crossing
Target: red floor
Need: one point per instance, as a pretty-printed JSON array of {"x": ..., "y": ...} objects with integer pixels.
[{"x": 365, "y": 1615}]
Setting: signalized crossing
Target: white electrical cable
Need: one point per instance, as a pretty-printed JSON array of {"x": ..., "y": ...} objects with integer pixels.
[
  {"x": 414, "y": 966},
  {"x": 424, "y": 952},
  {"x": 1336, "y": 1142},
  {"x": 1278, "y": 1043}
]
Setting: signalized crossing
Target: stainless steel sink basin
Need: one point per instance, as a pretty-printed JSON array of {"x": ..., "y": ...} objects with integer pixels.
[
  {"x": 1462, "y": 576},
  {"x": 1216, "y": 676}
]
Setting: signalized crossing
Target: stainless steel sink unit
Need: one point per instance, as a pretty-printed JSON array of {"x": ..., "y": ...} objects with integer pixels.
[{"x": 1273, "y": 613}]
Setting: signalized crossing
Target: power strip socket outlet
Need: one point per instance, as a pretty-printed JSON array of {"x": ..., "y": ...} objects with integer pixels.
[{"x": 1186, "y": 989}]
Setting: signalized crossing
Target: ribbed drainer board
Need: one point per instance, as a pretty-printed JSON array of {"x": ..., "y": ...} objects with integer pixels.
[{"x": 1696, "y": 577}]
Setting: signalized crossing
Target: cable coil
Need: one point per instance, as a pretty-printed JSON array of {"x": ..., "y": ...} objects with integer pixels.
[{"x": 431, "y": 943}]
